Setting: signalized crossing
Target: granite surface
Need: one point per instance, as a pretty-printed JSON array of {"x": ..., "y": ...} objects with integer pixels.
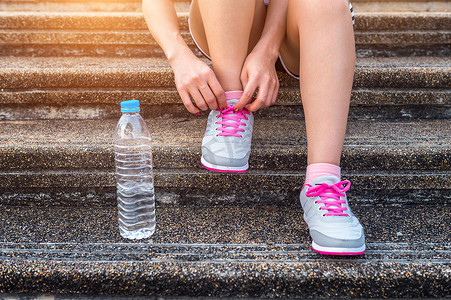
[
  {"x": 137, "y": 50},
  {"x": 47, "y": 33},
  {"x": 138, "y": 73},
  {"x": 222, "y": 251},
  {"x": 366, "y": 189},
  {"x": 197, "y": 186},
  {"x": 401, "y": 6},
  {"x": 382, "y": 113},
  {"x": 391, "y": 156},
  {"x": 145, "y": 39},
  {"x": 64, "y": 97},
  {"x": 88, "y": 145},
  {"x": 87, "y": 6},
  {"x": 134, "y": 21}
]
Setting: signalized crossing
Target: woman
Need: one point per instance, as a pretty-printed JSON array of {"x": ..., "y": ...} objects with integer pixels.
[{"x": 245, "y": 40}]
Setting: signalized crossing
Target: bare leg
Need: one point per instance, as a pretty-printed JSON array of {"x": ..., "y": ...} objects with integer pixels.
[
  {"x": 226, "y": 31},
  {"x": 320, "y": 47}
]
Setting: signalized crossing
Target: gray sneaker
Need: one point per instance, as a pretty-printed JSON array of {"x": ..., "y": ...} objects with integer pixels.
[
  {"x": 333, "y": 227},
  {"x": 227, "y": 142}
]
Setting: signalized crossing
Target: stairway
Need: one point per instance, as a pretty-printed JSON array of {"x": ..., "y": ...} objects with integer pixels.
[{"x": 66, "y": 65}]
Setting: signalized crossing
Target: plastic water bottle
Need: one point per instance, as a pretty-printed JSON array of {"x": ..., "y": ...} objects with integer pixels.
[{"x": 134, "y": 174}]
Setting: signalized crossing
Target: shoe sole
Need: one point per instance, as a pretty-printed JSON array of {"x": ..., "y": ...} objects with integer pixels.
[
  {"x": 338, "y": 251},
  {"x": 227, "y": 169}
]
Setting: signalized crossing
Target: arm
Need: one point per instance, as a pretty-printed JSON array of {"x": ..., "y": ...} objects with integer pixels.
[
  {"x": 193, "y": 78},
  {"x": 259, "y": 68}
]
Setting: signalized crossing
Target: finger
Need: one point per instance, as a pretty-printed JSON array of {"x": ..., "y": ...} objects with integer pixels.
[
  {"x": 263, "y": 97},
  {"x": 244, "y": 79},
  {"x": 275, "y": 93},
  {"x": 272, "y": 92},
  {"x": 208, "y": 96},
  {"x": 198, "y": 99},
  {"x": 256, "y": 105},
  {"x": 218, "y": 91},
  {"x": 247, "y": 95},
  {"x": 186, "y": 99}
]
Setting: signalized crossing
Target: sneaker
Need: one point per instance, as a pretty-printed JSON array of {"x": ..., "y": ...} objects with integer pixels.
[
  {"x": 227, "y": 142},
  {"x": 333, "y": 227}
]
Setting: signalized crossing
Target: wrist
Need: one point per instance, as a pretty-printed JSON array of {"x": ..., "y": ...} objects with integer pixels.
[
  {"x": 177, "y": 51},
  {"x": 180, "y": 54},
  {"x": 268, "y": 51}
]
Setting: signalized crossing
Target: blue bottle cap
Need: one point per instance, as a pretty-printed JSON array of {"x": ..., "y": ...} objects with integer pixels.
[{"x": 130, "y": 106}]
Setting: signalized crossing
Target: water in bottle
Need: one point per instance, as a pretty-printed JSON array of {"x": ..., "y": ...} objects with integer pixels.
[{"x": 134, "y": 174}]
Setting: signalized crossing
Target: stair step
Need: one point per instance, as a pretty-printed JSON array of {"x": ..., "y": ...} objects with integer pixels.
[
  {"x": 77, "y": 155},
  {"x": 126, "y": 34},
  {"x": 91, "y": 188},
  {"x": 135, "y": 5},
  {"x": 130, "y": 22},
  {"x": 222, "y": 251},
  {"x": 366, "y": 104},
  {"x": 91, "y": 88},
  {"x": 218, "y": 235},
  {"x": 401, "y": 6},
  {"x": 87, "y": 144},
  {"x": 93, "y": 6},
  {"x": 19, "y": 73}
]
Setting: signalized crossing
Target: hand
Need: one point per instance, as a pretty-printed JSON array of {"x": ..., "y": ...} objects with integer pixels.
[
  {"x": 258, "y": 73},
  {"x": 195, "y": 80}
]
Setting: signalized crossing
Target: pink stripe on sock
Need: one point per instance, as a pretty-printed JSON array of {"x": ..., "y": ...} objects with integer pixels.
[
  {"x": 321, "y": 169},
  {"x": 233, "y": 95}
]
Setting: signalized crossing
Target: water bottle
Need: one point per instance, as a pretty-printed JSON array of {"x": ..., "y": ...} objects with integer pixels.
[{"x": 134, "y": 174}]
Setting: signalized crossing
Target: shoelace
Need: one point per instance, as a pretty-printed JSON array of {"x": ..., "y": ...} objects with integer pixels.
[
  {"x": 330, "y": 196},
  {"x": 231, "y": 128}
]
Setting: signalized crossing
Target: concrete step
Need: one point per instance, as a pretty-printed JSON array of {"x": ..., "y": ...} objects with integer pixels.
[
  {"x": 401, "y": 6},
  {"x": 222, "y": 251},
  {"x": 126, "y": 34},
  {"x": 97, "y": 5},
  {"x": 135, "y": 5},
  {"x": 44, "y": 157},
  {"x": 92, "y": 87}
]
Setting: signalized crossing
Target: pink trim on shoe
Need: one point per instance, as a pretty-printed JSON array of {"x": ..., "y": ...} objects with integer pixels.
[
  {"x": 226, "y": 171},
  {"x": 338, "y": 253},
  {"x": 216, "y": 168}
]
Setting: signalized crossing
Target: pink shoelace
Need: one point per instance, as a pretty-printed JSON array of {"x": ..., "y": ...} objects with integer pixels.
[
  {"x": 330, "y": 196},
  {"x": 231, "y": 128}
]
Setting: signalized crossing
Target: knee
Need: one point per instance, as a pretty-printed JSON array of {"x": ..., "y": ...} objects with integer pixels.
[{"x": 328, "y": 9}]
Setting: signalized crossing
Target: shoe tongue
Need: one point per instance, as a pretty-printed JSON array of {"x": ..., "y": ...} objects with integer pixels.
[
  {"x": 329, "y": 179},
  {"x": 232, "y": 102}
]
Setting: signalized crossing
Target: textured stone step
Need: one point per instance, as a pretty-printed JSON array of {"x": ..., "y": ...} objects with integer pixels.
[
  {"x": 366, "y": 104},
  {"x": 88, "y": 188},
  {"x": 277, "y": 144},
  {"x": 20, "y": 73},
  {"x": 222, "y": 251},
  {"x": 83, "y": 5},
  {"x": 50, "y": 156},
  {"x": 126, "y": 34},
  {"x": 402, "y": 6},
  {"x": 88, "y": 88},
  {"x": 135, "y": 5},
  {"x": 129, "y": 22}
]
